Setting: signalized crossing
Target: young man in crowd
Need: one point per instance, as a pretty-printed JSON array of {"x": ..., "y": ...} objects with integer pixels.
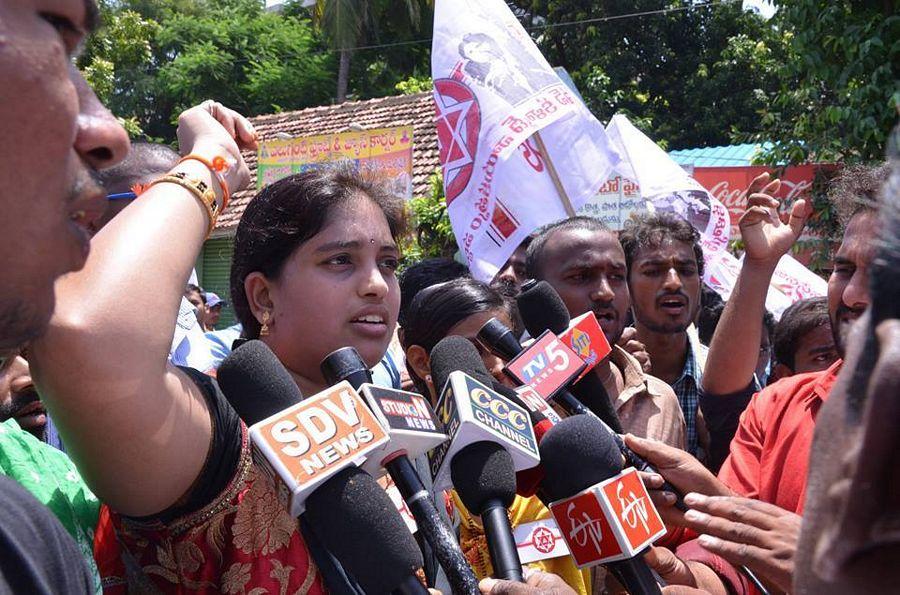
[
  {"x": 665, "y": 271},
  {"x": 56, "y": 137},
  {"x": 584, "y": 262},
  {"x": 508, "y": 280},
  {"x": 849, "y": 540},
  {"x": 214, "y": 305},
  {"x": 802, "y": 341}
]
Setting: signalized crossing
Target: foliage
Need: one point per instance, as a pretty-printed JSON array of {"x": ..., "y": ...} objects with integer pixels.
[
  {"x": 432, "y": 233},
  {"x": 151, "y": 60},
  {"x": 689, "y": 78},
  {"x": 839, "y": 90},
  {"x": 414, "y": 85},
  {"x": 349, "y": 24}
]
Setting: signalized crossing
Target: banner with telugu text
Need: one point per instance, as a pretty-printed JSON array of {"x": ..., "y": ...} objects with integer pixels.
[
  {"x": 385, "y": 153},
  {"x": 493, "y": 92}
]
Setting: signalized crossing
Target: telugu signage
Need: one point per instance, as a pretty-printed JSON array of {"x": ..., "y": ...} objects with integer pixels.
[{"x": 385, "y": 153}]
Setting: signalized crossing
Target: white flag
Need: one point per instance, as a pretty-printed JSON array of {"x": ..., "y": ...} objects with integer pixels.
[
  {"x": 493, "y": 91},
  {"x": 667, "y": 187}
]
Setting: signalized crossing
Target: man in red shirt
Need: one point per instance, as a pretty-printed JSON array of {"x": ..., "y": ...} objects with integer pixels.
[{"x": 769, "y": 454}]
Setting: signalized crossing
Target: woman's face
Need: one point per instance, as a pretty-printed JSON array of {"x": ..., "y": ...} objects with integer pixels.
[
  {"x": 469, "y": 327},
  {"x": 338, "y": 289}
]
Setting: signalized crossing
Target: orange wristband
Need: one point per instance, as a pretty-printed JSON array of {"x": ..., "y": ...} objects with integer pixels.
[{"x": 216, "y": 166}]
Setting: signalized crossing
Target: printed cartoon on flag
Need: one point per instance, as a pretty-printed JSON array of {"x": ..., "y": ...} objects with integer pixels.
[{"x": 493, "y": 91}]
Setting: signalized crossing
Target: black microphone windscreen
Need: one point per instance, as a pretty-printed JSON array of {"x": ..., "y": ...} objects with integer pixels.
[
  {"x": 345, "y": 364},
  {"x": 483, "y": 471},
  {"x": 541, "y": 308},
  {"x": 357, "y": 521},
  {"x": 453, "y": 354},
  {"x": 256, "y": 383},
  {"x": 577, "y": 453}
]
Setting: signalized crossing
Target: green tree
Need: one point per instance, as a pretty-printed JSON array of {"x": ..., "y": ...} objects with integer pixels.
[
  {"x": 432, "y": 232},
  {"x": 839, "y": 89},
  {"x": 694, "y": 76},
  {"x": 352, "y": 23},
  {"x": 153, "y": 59}
]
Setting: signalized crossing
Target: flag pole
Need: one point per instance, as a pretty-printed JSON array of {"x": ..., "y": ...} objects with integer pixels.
[{"x": 551, "y": 169}]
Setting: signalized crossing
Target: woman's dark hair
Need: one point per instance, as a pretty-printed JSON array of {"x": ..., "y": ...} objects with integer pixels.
[
  {"x": 437, "y": 309},
  {"x": 289, "y": 212}
]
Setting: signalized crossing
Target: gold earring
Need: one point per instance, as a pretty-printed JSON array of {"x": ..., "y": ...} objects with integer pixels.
[{"x": 264, "y": 329}]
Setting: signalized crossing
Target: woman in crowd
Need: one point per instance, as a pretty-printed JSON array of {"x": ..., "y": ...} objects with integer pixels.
[
  {"x": 314, "y": 262},
  {"x": 461, "y": 307}
]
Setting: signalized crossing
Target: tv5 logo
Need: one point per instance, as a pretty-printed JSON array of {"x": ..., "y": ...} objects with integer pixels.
[{"x": 546, "y": 365}]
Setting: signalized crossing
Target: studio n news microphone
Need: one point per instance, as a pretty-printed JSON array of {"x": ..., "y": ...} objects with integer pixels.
[
  {"x": 604, "y": 512},
  {"x": 309, "y": 448},
  {"x": 541, "y": 308},
  {"x": 490, "y": 439},
  {"x": 414, "y": 430}
]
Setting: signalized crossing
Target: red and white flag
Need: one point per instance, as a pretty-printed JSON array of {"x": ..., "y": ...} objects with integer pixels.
[{"x": 493, "y": 91}]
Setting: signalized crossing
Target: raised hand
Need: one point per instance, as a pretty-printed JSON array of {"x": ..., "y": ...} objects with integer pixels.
[
  {"x": 766, "y": 238},
  {"x": 213, "y": 130}
]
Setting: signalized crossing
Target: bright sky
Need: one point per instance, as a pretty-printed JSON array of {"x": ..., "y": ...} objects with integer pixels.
[{"x": 764, "y": 7}]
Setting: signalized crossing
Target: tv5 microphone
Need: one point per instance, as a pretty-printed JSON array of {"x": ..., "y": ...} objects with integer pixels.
[
  {"x": 604, "y": 512},
  {"x": 542, "y": 308},
  {"x": 414, "y": 430},
  {"x": 535, "y": 359},
  {"x": 309, "y": 449},
  {"x": 490, "y": 439}
]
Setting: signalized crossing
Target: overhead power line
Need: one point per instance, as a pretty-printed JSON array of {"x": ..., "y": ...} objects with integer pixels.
[{"x": 546, "y": 26}]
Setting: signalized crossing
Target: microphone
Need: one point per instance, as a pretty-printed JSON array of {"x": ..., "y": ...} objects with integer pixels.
[
  {"x": 499, "y": 339},
  {"x": 528, "y": 481},
  {"x": 491, "y": 439},
  {"x": 309, "y": 448},
  {"x": 541, "y": 309},
  {"x": 604, "y": 513},
  {"x": 414, "y": 430}
]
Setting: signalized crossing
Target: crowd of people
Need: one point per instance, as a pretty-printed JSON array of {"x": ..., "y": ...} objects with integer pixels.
[{"x": 124, "y": 468}]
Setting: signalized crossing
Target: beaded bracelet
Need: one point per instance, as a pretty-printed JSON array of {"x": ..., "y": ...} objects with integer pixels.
[
  {"x": 198, "y": 188},
  {"x": 216, "y": 166}
]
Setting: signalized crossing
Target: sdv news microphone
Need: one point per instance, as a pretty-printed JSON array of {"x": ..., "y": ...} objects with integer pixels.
[
  {"x": 309, "y": 448},
  {"x": 542, "y": 308},
  {"x": 491, "y": 438},
  {"x": 414, "y": 430},
  {"x": 604, "y": 512}
]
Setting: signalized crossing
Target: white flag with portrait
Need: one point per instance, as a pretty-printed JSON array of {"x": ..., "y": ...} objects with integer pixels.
[{"x": 493, "y": 91}]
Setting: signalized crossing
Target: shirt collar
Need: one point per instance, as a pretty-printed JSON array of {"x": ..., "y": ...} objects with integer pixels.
[{"x": 824, "y": 384}]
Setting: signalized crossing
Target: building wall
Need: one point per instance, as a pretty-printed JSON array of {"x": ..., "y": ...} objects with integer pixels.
[{"x": 214, "y": 270}]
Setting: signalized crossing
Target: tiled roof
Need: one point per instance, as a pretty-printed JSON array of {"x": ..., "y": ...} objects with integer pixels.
[{"x": 404, "y": 110}]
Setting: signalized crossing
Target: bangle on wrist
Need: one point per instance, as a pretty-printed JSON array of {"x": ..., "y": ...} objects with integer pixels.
[
  {"x": 199, "y": 189},
  {"x": 217, "y": 166}
]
